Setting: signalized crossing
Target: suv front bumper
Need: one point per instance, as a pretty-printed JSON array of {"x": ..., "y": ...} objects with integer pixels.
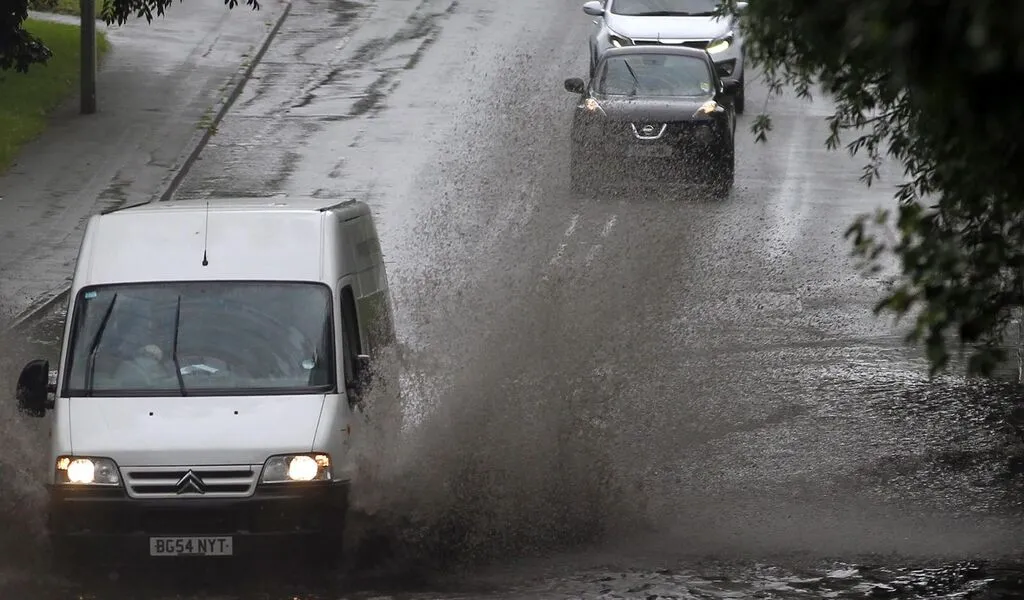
[{"x": 91, "y": 522}]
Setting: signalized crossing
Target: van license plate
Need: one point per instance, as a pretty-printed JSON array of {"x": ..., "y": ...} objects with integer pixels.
[{"x": 191, "y": 546}]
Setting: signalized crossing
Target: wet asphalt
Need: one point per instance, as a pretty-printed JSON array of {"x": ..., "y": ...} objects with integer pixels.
[{"x": 641, "y": 393}]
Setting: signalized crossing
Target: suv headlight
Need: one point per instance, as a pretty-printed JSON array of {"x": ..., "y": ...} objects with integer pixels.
[
  {"x": 708, "y": 108},
  {"x": 619, "y": 41},
  {"x": 720, "y": 44},
  {"x": 81, "y": 470},
  {"x": 592, "y": 106},
  {"x": 297, "y": 467}
]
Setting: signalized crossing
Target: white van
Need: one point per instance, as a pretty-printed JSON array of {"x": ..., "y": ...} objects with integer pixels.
[{"x": 215, "y": 361}]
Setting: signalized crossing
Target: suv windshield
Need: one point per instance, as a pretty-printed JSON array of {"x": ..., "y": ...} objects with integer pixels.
[
  {"x": 654, "y": 75},
  {"x": 201, "y": 339},
  {"x": 683, "y": 8}
]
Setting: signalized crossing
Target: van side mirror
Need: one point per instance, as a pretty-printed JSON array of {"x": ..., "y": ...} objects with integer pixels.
[
  {"x": 34, "y": 388},
  {"x": 730, "y": 86},
  {"x": 575, "y": 85},
  {"x": 363, "y": 377}
]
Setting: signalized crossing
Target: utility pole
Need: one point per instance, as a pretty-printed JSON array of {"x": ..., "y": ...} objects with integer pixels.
[{"x": 88, "y": 78}]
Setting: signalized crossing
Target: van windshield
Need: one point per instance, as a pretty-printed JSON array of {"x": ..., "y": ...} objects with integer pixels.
[{"x": 201, "y": 339}]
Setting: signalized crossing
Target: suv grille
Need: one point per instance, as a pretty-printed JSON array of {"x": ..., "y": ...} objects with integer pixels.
[
  {"x": 207, "y": 482},
  {"x": 649, "y": 130},
  {"x": 699, "y": 44}
]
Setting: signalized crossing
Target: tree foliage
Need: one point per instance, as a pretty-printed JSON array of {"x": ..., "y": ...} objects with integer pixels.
[
  {"x": 120, "y": 11},
  {"x": 934, "y": 85},
  {"x": 19, "y": 49}
]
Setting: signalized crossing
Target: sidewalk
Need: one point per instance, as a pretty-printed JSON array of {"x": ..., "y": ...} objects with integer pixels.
[{"x": 160, "y": 85}]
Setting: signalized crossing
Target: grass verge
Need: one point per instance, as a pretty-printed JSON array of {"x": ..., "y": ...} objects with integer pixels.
[
  {"x": 27, "y": 99},
  {"x": 63, "y": 7}
]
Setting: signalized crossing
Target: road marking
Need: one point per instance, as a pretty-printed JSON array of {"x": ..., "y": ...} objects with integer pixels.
[
  {"x": 592, "y": 252},
  {"x": 608, "y": 226},
  {"x": 574, "y": 222},
  {"x": 558, "y": 254},
  {"x": 605, "y": 232},
  {"x": 790, "y": 207}
]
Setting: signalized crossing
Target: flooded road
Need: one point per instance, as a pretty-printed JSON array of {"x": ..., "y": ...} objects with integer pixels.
[{"x": 636, "y": 394}]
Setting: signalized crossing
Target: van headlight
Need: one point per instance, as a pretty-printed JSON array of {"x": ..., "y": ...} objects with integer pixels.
[
  {"x": 296, "y": 467},
  {"x": 81, "y": 470}
]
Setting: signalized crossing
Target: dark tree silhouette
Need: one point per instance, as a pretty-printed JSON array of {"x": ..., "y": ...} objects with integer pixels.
[
  {"x": 19, "y": 49},
  {"x": 933, "y": 85}
]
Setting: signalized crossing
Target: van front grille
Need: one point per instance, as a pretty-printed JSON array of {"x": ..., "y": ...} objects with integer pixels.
[{"x": 191, "y": 482}]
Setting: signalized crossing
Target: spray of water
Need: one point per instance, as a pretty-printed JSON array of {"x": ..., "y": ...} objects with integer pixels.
[
  {"x": 512, "y": 450},
  {"x": 23, "y": 459}
]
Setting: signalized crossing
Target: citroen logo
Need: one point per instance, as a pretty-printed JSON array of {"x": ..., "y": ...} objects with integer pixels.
[
  {"x": 647, "y": 129},
  {"x": 190, "y": 483}
]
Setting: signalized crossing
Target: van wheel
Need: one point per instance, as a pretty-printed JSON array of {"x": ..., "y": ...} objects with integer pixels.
[
  {"x": 386, "y": 415},
  {"x": 328, "y": 559},
  {"x": 79, "y": 568},
  {"x": 321, "y": 562}
]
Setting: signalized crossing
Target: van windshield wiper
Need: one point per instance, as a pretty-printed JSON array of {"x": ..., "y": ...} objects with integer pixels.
[
  {"x": 174, "y": 348},
  {"x": 95, "y": 345}
]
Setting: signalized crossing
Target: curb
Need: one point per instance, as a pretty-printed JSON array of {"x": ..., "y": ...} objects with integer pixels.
[
  {"x": 37, "y": 308},
  {"x": 42, "y": 15},
  {"x": 237, "y": 84}
]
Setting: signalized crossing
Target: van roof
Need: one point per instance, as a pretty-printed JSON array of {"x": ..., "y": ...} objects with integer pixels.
[
  {"x": 276, "y": 238},
  {"x": 279, "y": 203}
]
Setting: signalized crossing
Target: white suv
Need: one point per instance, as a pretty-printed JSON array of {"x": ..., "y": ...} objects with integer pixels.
[{"x": 693, "y": 23}]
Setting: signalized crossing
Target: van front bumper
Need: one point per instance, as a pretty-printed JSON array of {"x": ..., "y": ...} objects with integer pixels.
[{"x": 280, "y": 519}]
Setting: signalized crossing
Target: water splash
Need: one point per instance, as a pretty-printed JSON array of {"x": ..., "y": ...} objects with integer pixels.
[{"x": 512, "y": 449}]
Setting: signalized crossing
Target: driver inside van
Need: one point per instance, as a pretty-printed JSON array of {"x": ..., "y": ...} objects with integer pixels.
[
  {"x": 146, "y": 363},
  {"x": 146, "y": 367}
]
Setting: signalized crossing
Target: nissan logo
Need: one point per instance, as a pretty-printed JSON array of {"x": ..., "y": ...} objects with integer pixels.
[{"x": 647, "y": 129}]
